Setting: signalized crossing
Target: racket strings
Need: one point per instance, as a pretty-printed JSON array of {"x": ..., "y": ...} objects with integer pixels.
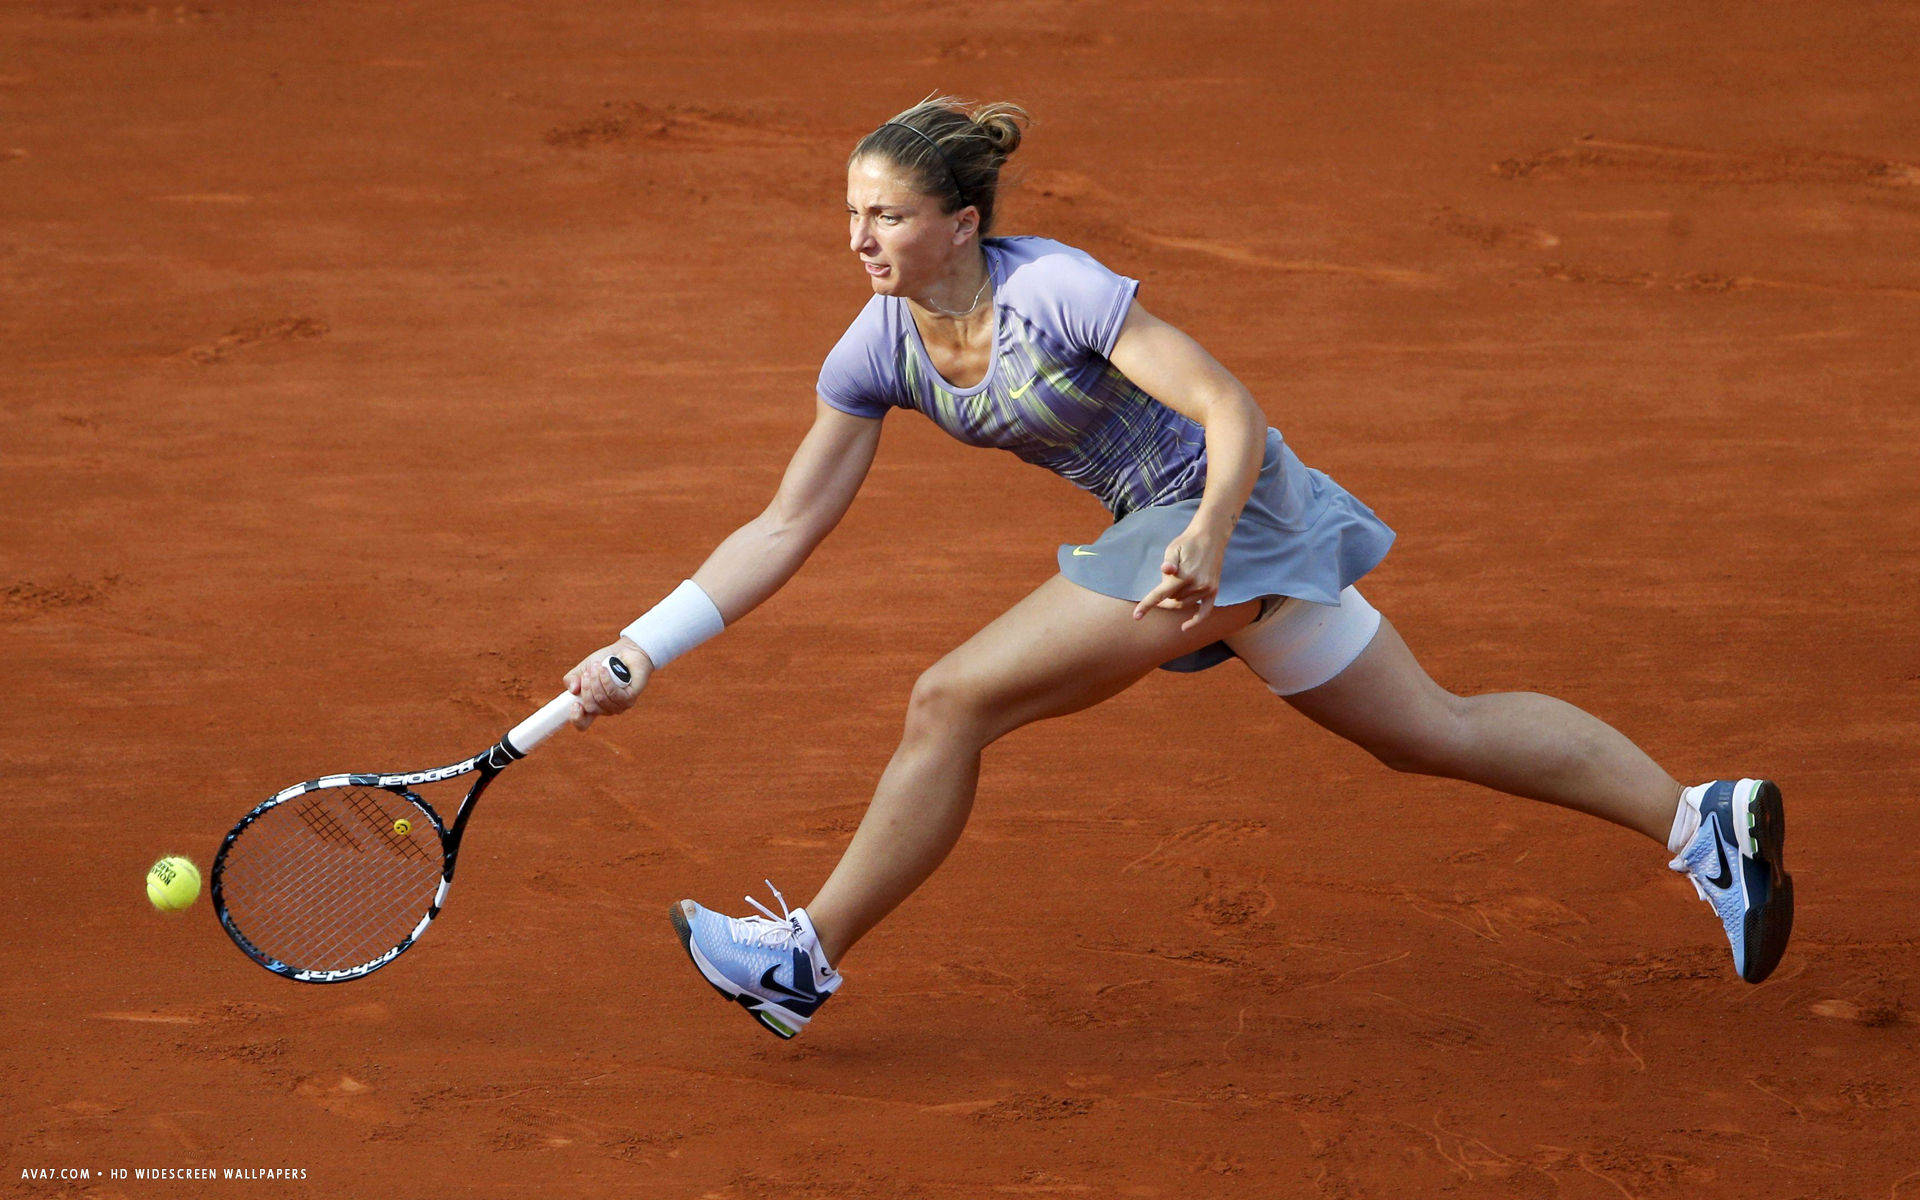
[
  {"x": 323, "y": 932},
  {"x": 385, "y": 826},
  {"x": 340, "y": 907},
  {"x": 321, "y": 821},
  {"x": 334, "y": 915},
  {"x": 326, "y": 882}
]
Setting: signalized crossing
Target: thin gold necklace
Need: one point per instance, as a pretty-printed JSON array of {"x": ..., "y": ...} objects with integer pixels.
[{"x": 986, "y": 278}]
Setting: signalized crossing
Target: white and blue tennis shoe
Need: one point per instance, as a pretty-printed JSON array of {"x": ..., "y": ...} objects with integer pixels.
[
  {"x": 1736, "y": 864},
  {"x": 772, "y": 966}
]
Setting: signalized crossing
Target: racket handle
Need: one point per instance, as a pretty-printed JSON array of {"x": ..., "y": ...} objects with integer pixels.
[{"x": 554, "y": 714}]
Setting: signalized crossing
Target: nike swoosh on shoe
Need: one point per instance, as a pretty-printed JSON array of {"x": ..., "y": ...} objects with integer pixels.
[{"x": 1724, "y": 879}]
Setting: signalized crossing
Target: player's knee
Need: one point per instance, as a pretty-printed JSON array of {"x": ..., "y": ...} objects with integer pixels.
[{"x": 944, "y": 703}]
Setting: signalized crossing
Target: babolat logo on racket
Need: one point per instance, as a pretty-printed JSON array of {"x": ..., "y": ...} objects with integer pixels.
[{"x": 337, "y": 976}]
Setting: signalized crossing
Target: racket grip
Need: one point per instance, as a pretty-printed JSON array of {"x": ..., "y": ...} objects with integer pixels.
[{"x": 555, "y": 714}]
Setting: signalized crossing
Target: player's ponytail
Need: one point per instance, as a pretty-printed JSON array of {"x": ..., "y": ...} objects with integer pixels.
[{"x": 955, "y": 149}]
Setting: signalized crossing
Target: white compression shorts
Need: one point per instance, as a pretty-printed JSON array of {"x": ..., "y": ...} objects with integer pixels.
[{"x": 1301, "y": 645}]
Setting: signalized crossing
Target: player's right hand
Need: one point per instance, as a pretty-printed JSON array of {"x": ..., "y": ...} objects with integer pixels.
[{"x": 601, "y": 695}]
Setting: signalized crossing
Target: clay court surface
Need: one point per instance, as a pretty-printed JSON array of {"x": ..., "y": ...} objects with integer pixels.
[{"x": 364, "y": 365}]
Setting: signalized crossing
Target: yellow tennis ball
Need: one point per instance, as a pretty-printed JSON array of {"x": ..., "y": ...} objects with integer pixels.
[
  {"x": 173, "y": 883},
  {"x": 403, "y": 827}
]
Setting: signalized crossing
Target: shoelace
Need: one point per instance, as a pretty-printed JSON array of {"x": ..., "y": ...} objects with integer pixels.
[{"x": 771, "y": 931}]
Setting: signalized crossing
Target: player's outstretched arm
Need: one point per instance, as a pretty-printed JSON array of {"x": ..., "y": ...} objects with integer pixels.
[
  {"x": 755, "y": 560},
  {"x": 821, "y": 481}
]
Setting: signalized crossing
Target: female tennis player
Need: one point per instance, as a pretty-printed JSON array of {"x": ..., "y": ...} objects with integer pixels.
[{"x": 1224, "y": 545}]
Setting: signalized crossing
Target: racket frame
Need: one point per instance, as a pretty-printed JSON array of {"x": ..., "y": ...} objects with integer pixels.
[{"x": 488, "y": 764}]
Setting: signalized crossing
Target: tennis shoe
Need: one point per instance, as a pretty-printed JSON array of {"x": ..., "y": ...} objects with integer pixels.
[
  {"x": 770, "y": 965},
  {"x": 1735, "y": 862}
]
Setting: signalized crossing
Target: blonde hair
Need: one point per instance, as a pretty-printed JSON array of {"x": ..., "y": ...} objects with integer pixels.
[{"x": 954, "y": 147}]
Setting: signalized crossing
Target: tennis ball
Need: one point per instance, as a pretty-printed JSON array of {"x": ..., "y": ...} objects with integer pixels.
[
  {"x": 403, "y": 827},
  {"x": 173, "y": 883}
]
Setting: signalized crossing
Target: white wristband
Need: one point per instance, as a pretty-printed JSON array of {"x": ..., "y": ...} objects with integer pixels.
[{"x": 687, "y": 617}]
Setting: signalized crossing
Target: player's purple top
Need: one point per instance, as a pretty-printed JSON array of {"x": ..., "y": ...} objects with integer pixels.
[{"x": 1050, "y": 395}]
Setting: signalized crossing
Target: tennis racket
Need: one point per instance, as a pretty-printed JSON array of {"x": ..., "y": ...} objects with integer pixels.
[{"x": 332, "y": 879}]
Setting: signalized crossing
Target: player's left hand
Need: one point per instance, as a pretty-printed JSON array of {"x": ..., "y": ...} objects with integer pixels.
[{"x": 1190, "y": 575}]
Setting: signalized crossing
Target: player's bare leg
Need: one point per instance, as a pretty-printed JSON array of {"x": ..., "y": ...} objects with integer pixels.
[
  {"x": 1057, "y": 651},
  {"x": 1520, "y": 743}
]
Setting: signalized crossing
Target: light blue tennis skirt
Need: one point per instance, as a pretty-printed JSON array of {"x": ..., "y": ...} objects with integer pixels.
[{"x": 1301, "y": 534}]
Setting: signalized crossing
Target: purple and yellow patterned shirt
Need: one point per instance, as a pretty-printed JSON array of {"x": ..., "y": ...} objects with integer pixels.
[{"x": 1050, "y": 396}]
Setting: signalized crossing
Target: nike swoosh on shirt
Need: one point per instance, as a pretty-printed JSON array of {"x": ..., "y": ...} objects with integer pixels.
[
  {"x": 1020, "y": 391},
  {"x": 1083, "y": 552}
]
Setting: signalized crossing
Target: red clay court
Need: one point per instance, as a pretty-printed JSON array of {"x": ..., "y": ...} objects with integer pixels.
[{"x": 356, "y": 382}]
